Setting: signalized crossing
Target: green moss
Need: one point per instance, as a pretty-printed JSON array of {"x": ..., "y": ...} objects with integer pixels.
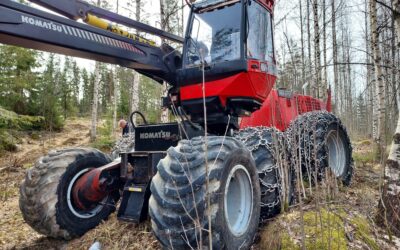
[
  {"x": 11, "y": 120},
  {"x": 275, "y": 237},
  {"x": 363, "y": 232},
  {"x": 287, "y": 242},
  {"x": 324, "y": 230},
  {"x": 7, "y": 142}
]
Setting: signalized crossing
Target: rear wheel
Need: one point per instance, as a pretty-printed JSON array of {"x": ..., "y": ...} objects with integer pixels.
[
  {"x": 178, "y": 205},
  {"x": 269, "y": 150},
  {"x": 324, "y": 145},
  {"x": 46, "y": 200}
]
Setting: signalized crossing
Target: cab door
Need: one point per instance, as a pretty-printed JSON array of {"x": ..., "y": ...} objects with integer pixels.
[{"x": 260, "y": 48}]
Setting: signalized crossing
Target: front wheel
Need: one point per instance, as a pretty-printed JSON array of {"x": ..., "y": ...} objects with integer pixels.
[
  {"x": 179, "y": 205},
  {"x": 46, "y": 200}
]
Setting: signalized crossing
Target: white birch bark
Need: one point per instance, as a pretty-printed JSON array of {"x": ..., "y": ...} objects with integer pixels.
[
  {"x": 164, "y": 24},
  {"x": 335, "y": 56},
  {"x": 134, "y": 91},
  {"x": 325, "y": 80},
  {"x": 379, "y": 81},
  {"x": 116, "y": 99},
  {"x": 389, "y": 209},
  {"x": 317, "y": 51},
  {"x": 135, "y": 94},
  {"x": 116, "y": 92},
  {"x": 95, "y": 103}
]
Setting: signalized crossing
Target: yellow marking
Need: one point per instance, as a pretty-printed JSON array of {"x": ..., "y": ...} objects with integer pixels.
[
  {"x": 102, "y": 24},
  {"x": 133, "y": 189}
]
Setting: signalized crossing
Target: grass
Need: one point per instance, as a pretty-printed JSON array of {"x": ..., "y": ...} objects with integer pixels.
[
  {"x": 363, "y": 232},
  {"x": 7, "y": 142},
  {"x": 324, "y": 229},
  {"x": 364, "y": 158},
  {"x": 105, "y": 140}
]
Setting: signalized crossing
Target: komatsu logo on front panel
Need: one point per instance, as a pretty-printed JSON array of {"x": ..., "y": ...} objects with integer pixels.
[
  {"x": 156, "y": 135},
  {"x": 42, "y": 24}
]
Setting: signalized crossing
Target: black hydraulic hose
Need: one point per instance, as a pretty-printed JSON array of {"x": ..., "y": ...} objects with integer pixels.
[
  {"x": 181, "y": 112},
  {"x": 141, "y": 115}
]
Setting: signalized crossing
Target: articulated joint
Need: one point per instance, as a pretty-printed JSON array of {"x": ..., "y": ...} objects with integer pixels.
[{"x": 96, "y": 185}]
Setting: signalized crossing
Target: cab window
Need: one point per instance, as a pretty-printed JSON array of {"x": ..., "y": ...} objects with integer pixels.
[{"x": 260, "y": 44}]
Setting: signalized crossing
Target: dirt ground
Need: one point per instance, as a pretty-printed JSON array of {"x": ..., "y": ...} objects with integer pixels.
[{"x": 360, "y": 199}]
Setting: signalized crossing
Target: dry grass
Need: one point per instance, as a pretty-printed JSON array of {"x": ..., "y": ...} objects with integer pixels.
[{"x": 115, "y": 234}]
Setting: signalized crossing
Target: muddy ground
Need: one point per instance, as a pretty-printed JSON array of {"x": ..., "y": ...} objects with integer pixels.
[{"x": 353, "y": 209}]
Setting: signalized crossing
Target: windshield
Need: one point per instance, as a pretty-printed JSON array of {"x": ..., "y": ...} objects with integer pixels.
[{"x": 215, "y": 36}]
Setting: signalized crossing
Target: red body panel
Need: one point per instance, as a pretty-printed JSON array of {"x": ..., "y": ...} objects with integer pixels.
[
  {"x": 255, "y": 83},
  {"x": 279, "y": 111}
]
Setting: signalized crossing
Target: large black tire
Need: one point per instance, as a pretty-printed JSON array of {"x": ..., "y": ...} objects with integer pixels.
[
  {"x": 44, "y": 194},
  {"x": 269, "y": 150},
  {"x": 324, "y": 145},
  {"x": 178, "y": 205}
]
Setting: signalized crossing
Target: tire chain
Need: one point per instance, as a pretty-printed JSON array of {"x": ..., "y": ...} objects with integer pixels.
[
  {"x": 278, "y": 149},
  {"x": 299, "y": 139},
  {"x": 316, "y": 123}
]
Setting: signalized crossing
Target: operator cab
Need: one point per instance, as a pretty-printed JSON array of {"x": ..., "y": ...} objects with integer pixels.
[{"x": 233, "y": 41}]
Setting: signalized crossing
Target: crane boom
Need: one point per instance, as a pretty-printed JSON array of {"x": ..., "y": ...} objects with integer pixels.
[{"x": 28, "y": 27}]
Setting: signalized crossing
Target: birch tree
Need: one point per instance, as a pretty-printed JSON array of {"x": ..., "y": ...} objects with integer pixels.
[
  {"x": 116, "y": 91},
  {"x": 164, "y": 25},
  {"x": 379, "y": 80},
  {"x": 335, "y": 54},
  {"x": 325, "y": 78},
  {"x": 389, "y": 206},
  {"x": 317, "y": 51},
  {"x": 134, "y": 101},
  {"x": 95, "y": 102}
]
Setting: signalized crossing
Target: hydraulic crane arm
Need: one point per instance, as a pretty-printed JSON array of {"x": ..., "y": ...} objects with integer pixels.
[
  {"x": 28, "y": 27},
  {"x": 76, "y": 9}
]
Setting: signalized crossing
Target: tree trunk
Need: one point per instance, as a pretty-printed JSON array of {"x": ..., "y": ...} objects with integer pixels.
[
  {"x": 135, "y": 94},
  {"x": 116, "y": 92},
  {"x": 95, "y": 102},
  {"x": 325, "y": 80},
  {"x": 379, "y": 81},
  {"x": 136, "y": 76},
  {"x": 303, "y": 65},
  {"x": 164, "y": 25},
  {"x": 369, "y": 89},
  {"x": 335, "y": 56},
  {"x": 116, "y": 99},
  {"x": 389, "y": 205},
  {"x": 317, "y": 52},
  {"x": 310, "y": 73},
  {"x": 396, "y": 16}
]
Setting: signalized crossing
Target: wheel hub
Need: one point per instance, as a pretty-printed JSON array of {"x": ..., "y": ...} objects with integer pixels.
[
  {"x": 81, "y": 211},
  {"x": 336, "y": 153},
  {"x": 238, "y": 200}
]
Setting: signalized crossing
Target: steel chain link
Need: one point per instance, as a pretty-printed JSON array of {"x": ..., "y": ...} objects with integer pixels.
[{"x": 277, "y": 148}]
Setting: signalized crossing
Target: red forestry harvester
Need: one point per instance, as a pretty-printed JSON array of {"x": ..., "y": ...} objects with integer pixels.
[{"x": 219, "y": 167}]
